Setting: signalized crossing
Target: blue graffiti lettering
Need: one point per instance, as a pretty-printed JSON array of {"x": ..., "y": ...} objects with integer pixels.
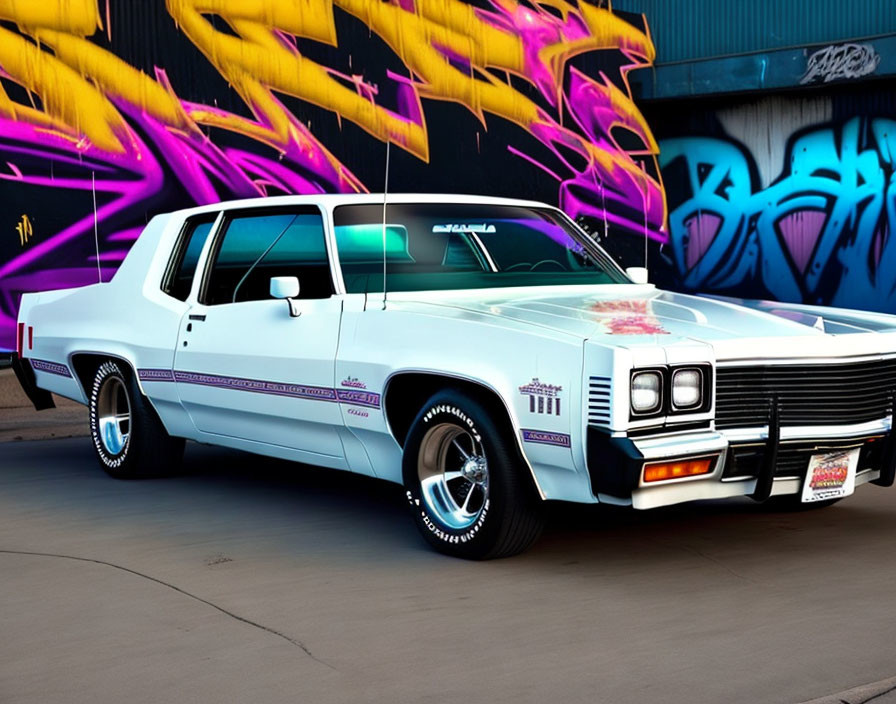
[{"x": 818, "y": 234}]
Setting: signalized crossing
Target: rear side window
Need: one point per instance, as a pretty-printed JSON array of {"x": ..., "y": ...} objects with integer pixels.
[
  {"x": 255, "y": 247},
  {"x": 179, "y": 278}
]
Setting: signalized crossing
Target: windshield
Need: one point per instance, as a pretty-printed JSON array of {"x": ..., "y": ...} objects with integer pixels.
[{"x": 436, "y": 246}]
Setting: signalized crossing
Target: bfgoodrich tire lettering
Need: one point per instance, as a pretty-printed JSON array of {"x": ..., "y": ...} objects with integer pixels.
[
  {"x": 465, "y": 481},
  {"x": 128, "y": 436}
]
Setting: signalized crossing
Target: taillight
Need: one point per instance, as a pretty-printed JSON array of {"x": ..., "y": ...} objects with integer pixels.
[
  {"x": 20, "y": 340},
  {"x": 30, "y": 338}
]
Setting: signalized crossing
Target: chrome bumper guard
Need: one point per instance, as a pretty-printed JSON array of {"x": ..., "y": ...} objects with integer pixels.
[{"x": 777, "y": 447}]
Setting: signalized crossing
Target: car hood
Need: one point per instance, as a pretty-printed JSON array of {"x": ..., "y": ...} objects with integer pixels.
[{"x": 637, "y": 315}]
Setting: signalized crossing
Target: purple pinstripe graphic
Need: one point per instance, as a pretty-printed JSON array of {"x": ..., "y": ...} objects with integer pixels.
[
  {"x": 155, "y": 375},
  {"x": 545, "y": 438},
  {"x": 42, "y": 365},
  {"x": 312, "y": 393},
  {"x": 359, "y": 398}
]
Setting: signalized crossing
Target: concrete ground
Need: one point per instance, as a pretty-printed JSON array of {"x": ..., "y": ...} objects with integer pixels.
[{"x": 248, "y": 579}]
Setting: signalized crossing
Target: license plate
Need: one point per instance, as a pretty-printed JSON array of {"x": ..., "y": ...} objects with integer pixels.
[{"x": 831, "y": 475}]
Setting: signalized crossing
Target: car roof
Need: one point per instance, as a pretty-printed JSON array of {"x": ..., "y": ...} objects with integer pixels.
[{"x": 328, "y": 201}]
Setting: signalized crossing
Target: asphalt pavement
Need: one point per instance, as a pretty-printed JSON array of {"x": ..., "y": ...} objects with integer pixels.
[{"x": 254, "y": 580}]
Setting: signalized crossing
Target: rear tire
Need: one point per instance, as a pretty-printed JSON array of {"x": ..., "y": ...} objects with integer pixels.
[
  {"x": 128, "y": 436},
  {"x": 466, "y": 483}
]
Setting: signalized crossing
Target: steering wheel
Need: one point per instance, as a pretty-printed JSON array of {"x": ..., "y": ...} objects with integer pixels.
[
  {"x": 519, "y": 265},
  {"x": 548, "y": 262}
]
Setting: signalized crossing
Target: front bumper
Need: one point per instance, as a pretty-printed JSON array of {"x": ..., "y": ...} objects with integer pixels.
[{"x": 759, "y": 462}]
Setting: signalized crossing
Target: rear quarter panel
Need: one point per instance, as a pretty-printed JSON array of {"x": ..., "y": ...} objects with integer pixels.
[{"x": 128, "y": 317}]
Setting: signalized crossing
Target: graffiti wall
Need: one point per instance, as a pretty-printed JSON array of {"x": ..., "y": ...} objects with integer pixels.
[
  {"x": 113, "y": 110},
  {"x": 791, "y": 199}
]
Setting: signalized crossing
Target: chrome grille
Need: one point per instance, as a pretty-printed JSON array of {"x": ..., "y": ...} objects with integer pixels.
[
  {"x": 599, "y": 401},
  {"x": 793, "y": 459},
  {"x": 808, "y": 394}
]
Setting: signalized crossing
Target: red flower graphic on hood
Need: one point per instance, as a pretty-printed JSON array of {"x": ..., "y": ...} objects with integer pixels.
[{"x": 628, "y": 317}]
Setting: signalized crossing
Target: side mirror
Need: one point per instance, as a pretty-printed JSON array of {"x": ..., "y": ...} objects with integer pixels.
[
  {"x": 287, "y": 287},
  {"x": 638, "y": 274}
]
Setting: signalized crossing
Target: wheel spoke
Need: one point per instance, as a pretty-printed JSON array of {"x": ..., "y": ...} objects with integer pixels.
[
  {"x": 450, "y": 469},
  {"x": 452, "y": 474},
  {"x": 460, "y": 449},
  {"x": 467, "y": 500}
]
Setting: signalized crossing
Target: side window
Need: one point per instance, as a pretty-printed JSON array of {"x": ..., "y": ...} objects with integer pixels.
[
  {"x": 182, "y": 267},
  {"x": 256, "y": 247}
]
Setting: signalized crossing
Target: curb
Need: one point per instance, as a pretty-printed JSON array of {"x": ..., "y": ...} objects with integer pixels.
[{"x": 875, "y": 691}]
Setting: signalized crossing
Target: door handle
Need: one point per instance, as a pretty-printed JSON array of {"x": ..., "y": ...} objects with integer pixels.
[{"x": 196, "y": 316}]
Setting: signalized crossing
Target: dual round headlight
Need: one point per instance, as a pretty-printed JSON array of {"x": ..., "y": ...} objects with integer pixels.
[
  {"x": 647, "y": 390},
  {"x": 687, "y": 389}
]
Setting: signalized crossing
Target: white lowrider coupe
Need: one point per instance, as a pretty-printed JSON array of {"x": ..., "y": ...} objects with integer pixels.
[{"x": 483, "y": 352}]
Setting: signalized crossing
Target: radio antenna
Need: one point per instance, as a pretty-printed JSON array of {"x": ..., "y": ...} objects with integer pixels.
[
  {"x": 603, "y": 198},
  {"x": 385, "y": 193},
  {"x": 96, "y": 233},
  {"x": 644, "y": 197}
]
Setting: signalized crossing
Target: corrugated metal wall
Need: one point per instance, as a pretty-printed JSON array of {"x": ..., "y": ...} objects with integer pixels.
[
  {"x": 689, "y": 29},
  {"x": 765, "y": 127}
]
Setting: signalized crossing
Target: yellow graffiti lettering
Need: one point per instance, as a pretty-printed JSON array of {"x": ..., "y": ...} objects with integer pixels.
[
  {"x": 256, "y": 63},
  {"x": 75, "y": 85},
  {"x": 452, "y": 51},
  {"x": 25, "y": 230}
]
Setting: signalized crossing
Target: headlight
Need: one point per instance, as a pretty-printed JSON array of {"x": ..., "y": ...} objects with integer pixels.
[
  {"x": 647, "y": 393},
  {"x": 687, "y": 389}
]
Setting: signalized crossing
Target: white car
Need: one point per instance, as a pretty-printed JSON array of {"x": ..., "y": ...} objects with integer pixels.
[{"x": 509, "y": 362}]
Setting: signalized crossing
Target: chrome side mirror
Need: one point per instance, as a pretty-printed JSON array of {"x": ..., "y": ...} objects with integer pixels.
[
  {"x": 287, "y": 287},
  {"x": 638, "y": 274}
]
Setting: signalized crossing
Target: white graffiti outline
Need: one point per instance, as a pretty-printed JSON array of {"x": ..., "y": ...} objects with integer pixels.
[{"x": 840, "y": 61}]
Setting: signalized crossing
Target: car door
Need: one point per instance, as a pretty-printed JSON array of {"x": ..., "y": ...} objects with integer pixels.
[
  {"x": 156, "y": 360},
  {"x": 245, "y": 367}
]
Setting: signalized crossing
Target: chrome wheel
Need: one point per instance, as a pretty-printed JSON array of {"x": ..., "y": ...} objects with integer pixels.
[
  {"x": 113, "y": 411},
  {"x": 468, "y": 502},
  {"x": 453, "y": 474},
  {"x": 128, "y": 436}
]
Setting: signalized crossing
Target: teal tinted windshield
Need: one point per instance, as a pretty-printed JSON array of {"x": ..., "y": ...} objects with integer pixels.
[{"x": 431, "y": 246}]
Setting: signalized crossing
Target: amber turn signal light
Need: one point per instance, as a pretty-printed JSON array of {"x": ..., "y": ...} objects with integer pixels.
[{"x": 659, "y": 471}]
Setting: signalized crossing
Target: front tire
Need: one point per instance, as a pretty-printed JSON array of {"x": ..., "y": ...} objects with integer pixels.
[
  {"x": 466, "y": 483},
  {"x": 128, "y": 436}
]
